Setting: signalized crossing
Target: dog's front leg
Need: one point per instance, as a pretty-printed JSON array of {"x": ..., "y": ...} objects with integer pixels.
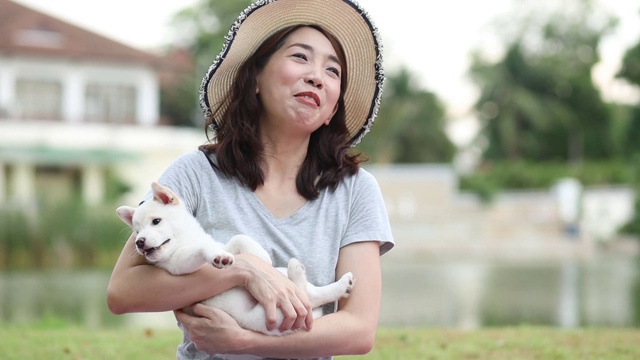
[
  {"x": 216, "y": 254},
  {"x": 189, "y": 258}
]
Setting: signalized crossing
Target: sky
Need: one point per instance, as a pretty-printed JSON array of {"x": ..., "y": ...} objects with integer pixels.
[{"x": 453, "y": 27}]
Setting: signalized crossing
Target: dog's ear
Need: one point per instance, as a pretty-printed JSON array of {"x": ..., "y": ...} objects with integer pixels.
[
  {"x": 164, "y": 195},
  {"x": 126, "y": 214}
]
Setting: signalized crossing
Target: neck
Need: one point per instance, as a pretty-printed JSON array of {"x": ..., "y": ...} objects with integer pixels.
[{"x": 283, "y": 158}]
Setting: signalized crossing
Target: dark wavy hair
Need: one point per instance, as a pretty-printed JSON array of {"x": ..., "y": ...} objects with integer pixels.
[{"x": 236, "y": 140}]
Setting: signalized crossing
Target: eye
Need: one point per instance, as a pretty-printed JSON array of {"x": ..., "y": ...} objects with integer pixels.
[
  {"x": 334, "y": 70},
  {"x": 300, "y": 56},
  {"x": 156, "y": 221}
]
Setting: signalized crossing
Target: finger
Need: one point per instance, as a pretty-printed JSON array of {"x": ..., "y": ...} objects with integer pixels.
[
  {"x": 305, "y": 312},
  {"x": 182, "y": 317},
  {"x": 301, "y": 318},
  {"x": 309, "y": 319},
  {"x": 270, "y": 314},
  {"x": 202, "y": 310},
  {"x": 290, "y": 316}
]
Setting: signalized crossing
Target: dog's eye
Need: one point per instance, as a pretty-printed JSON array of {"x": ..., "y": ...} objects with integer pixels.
[{"x": 156, "y": 221}]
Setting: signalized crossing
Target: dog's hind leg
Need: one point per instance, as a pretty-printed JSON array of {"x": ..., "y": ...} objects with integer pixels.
[
  {"x": 297, "y": 273},
  {"x": 320, "y": 295}
]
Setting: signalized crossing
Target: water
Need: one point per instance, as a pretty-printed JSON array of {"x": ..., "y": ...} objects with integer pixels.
[
  {"x": 454, "y": 294},
  {"x": 469, "y": 294}
]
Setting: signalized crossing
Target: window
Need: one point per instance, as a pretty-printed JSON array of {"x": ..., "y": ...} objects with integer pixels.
[
  {"x": 110, "y": 103},
  {"x": 38, "y": 99}
]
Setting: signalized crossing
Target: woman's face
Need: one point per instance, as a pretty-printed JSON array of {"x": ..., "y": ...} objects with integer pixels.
[{"x": 299, "y": 86}]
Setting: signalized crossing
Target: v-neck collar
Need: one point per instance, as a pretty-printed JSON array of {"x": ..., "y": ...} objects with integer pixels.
[{"x": 257, "y": 203}]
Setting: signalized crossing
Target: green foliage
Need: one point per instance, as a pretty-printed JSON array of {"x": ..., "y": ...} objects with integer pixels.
[
  {"x": 115, "y": 187},
  {"x": 59, "y": 235},
  {"x": 16, "y": 234},
  {"x": 179, "y": 101},
  {"x": 633, "y": 226},
  {"x": 205, "y": 24},
  {"x": 631, "y": 65},
  {"x": 539, "y": 102},
  {"x": 201, "y": 29},
  {"x": 409, "y": 127},
  {"x": 631, "y": 72},
  {"x": 493, "y": 177}
]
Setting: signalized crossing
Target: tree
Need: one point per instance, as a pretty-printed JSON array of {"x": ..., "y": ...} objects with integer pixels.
[
  {"x": 631, "y": 65},
  {"x": 409, "y": 126},
  {"x": 201, "y": 30},
  {"x": 539, "y": 102},
  {"x": 631, "y": 73},
  {"x": 205, "y": 24}
]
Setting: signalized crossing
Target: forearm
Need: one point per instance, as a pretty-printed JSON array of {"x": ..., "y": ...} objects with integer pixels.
[
  {"x": 146, "y": 288},
  {"x": 341, "y": 333},
  {"x": 136, "y": 286}
]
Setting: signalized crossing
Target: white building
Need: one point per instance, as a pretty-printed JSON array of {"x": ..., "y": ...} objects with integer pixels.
[{"x": 76, "y": 107}]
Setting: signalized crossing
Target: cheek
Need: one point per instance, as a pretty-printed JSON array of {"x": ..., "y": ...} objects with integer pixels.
[
  {"x": 267, "y": 87},
  {"x": 332, "y": 97}
]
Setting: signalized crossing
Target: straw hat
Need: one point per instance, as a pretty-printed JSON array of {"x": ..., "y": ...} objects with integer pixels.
[{"x": 344, "y": 19}]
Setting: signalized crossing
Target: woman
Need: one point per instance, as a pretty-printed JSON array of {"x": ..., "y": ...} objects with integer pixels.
[{"x": 296, "y": 85}]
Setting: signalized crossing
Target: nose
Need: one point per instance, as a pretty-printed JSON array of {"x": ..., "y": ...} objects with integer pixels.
[
  {"x": 314, "y": 79},
  {"x": 140, "y": 243}
]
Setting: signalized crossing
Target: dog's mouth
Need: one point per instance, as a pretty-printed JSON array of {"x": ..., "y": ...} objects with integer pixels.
[{"x": 151, "y": 250}]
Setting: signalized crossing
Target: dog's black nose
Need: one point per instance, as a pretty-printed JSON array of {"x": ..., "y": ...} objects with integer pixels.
[{"x": 140, "y": 243}]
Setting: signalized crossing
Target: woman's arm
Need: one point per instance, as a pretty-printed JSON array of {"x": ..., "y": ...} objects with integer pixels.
[
  {"x": 136, "y": 286},
  {"x": 351, "y": 330}
]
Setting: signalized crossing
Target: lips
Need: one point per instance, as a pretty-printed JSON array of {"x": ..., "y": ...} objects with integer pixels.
[{"x": 309, "y": 96}]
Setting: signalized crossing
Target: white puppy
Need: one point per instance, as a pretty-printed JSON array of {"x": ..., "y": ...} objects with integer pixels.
[{"x": 171, "y": 238}]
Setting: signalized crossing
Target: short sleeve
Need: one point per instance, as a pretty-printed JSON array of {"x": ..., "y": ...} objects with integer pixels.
[{"x": 368, "y": 218}]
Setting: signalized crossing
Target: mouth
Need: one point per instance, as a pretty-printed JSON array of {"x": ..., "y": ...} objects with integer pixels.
[
  {"x": 310, "y": 97},
  {"x": 151, "y": 250}
]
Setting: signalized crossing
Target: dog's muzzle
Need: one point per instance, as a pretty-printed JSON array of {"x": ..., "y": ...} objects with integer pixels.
[{"x": 148, "y": 251}]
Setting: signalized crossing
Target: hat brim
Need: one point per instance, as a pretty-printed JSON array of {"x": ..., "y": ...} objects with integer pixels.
[{"x": 345, "y": 20}]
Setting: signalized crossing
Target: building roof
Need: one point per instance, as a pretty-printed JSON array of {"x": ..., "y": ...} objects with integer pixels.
[{"x": 25, "y": 31}]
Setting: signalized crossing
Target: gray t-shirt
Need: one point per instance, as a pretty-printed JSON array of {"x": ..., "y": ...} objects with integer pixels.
[{"x": 314, "y": 234}]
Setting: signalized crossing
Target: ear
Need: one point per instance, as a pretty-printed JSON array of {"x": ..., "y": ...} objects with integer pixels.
[
  {"x": 126, "y": 214},
  {"x": 164, "y": 195}
]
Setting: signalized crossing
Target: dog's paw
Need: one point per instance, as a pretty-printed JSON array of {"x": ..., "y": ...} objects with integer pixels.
[
  {"x": 348, "y": 281},
  {"x": 222, "y": 260}
]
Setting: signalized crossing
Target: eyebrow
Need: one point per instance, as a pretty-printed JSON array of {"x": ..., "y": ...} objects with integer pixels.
[{"x": 310, "y": 48}]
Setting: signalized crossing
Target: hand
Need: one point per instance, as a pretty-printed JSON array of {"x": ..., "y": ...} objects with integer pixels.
[
  {"x": 211, "y": 330},
  {"x": 274, "y": 290}
]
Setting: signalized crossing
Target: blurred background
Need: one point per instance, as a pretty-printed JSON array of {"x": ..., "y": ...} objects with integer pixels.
[{"x": 507, "y": 148}]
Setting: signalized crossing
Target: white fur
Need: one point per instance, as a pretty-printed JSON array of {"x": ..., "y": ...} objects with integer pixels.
[{"x": 169, "y": 237}]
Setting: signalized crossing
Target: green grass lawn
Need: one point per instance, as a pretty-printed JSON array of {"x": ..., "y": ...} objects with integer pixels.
[{"x": 524, "y": 342}]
